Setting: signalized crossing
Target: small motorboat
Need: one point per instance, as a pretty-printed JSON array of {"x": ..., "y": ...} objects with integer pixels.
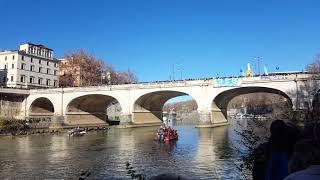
[{"x": 77, "y": 132}]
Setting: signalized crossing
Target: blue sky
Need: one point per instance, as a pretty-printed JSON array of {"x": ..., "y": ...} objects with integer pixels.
[{"x": 204, "y": 38}]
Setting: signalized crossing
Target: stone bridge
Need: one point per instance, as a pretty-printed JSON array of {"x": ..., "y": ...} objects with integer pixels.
[{"x": 142, "y": 103}]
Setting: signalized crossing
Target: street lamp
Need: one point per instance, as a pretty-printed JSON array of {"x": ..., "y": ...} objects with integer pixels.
[
  {"x": 258, "y": 59},
  {"x": 178, "y": 67}
]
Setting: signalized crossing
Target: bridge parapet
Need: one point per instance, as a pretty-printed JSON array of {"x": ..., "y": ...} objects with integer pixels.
[
  {"x": 203, "y": 91},
  {"x": 215, "y": 81}
]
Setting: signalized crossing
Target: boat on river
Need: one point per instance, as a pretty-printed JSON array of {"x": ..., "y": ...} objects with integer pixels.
[
  {"x": 170, "y": 138},
  {"x": 77, "y": 132},
  {"x": 166, "y": 134}
]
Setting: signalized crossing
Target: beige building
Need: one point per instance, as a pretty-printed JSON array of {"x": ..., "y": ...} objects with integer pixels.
[
  {"x": 70, "y": 71},
  {"x": 32, "y": 66}
]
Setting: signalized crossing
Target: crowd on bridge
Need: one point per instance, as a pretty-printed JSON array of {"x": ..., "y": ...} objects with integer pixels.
[{"x": 290, "y": 153}]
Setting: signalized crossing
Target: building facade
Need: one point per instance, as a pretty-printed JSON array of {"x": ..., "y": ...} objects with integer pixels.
[
  {"x": 32, "y": 66},
  {"x": 70, "y": 72}
]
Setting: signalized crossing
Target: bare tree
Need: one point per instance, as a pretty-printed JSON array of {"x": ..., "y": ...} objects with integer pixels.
[
  {"x": 314, "y": 67},
  {"x": 313, "y": 86},
  {"x": 126, "y": 77},
  {"x": 80, "y": 68},
  {"x": 66, "y": 80}
]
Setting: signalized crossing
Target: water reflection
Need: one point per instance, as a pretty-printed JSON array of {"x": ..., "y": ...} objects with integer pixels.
[{"x": 199, "y": 153}]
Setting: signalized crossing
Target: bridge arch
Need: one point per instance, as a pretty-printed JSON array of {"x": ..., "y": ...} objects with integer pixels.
[
  {"x": 148, "y": 107},
  {"x": 41, "y": 106},
  {"x": 221, "y": 101},
  {"x": 89, "y": 109}
]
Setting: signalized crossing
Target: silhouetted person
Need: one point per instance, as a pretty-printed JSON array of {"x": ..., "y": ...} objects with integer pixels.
[
  {"x": 271, "y": 158},
  {"x": 277, "y": 164},
  {"x": 312, "y": 131},
  {"x": 305, "y": 161}
]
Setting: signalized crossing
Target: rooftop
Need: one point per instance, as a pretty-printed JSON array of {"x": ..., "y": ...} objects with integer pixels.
[{"x": 39, "y": 45}]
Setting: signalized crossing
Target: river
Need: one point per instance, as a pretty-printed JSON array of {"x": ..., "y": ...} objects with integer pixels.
[{"x": 205, "y": 153}]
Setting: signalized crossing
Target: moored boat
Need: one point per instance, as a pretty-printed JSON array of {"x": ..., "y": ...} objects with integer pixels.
[{"x": 77, "y": 132}]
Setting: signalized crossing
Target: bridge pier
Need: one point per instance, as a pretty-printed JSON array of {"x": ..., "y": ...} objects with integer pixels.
[
  {"x": 85, "y": 119},
  {"x": 219, "y": 116},
  {"x": 147, "y": 117},
  {"x": 139, "y": 119},
  {"x": 213, "y": 118},
  {"x": 125, "y": 119}
]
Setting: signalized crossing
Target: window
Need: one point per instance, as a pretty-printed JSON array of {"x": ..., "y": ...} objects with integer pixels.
[
  {"x": 48, "y": 82},
  {"x": 23, "y": 66},
  {"x": 55, "y": 72},
  {"x": 5, "y": 58},
  {"x": 22, "y": 58},
  {"x": 31, "y": 80},
  {"x": 47, "y": 63},
  {"x": 11, "y": 78},
  {"x": 55, "y": 83},
  {"x": 4, "y": 79},
  {"x": 31, "y": 68},
  {"x": 39, "y": 61},
  {"x": 12, "y": 65},
  {"x": 5, "y": 66},
  {"x": 55, "y": 64},
  {"x": 40, "y": 81},
  {"x": 48, "y": 71},
  {"x": 31, "y": 59},
  {"x": 22, "y": 78},
  {"x": 13, "y": 57},
  {"x": 40, "y": 69}
]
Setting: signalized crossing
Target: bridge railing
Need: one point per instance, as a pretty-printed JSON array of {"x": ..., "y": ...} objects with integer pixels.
[{"x": 192, "y": 82}]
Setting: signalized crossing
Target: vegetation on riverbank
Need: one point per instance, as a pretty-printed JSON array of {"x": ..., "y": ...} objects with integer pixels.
[{"x": 13, "y": 126}]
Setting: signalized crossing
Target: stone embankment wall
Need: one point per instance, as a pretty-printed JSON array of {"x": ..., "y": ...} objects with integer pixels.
[{"x": 10, "y": 105}]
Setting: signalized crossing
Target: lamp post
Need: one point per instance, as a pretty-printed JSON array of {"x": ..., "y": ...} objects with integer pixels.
[
  {"x": 178, "y": 67},
  {"x": 172, "y": 72},
  {"x": 258, "y": 59}
]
